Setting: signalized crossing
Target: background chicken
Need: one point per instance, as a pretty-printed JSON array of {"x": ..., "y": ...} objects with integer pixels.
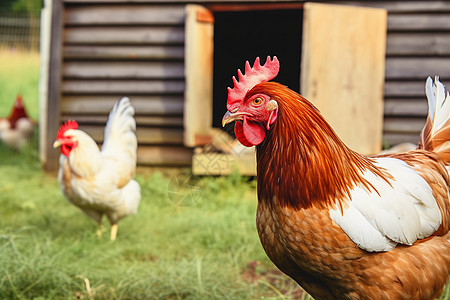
[
  {"x": 101, "y": 182},
  {"x": 17, "y": 129},
  {"x": 343, "y": 225}
]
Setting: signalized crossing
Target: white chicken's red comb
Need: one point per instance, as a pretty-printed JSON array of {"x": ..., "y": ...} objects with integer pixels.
[
  {"x": 66, "y": 126},
  {"x": 252, "y": 77}
]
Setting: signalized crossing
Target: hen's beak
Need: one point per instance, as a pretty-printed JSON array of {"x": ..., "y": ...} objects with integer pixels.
[
  {"x": 57, "y": 143},
  {"x": 230, "y": 117},
  {"x": 62, "y": 141}
]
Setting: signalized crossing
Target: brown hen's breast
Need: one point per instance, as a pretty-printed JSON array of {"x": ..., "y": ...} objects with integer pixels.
[{"x": 309, "y": 247}]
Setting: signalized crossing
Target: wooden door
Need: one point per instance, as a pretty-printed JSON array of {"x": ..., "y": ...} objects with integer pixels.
[
  {"x": 342, "y": 73},
  {"x": 199, "y": 75},
  {"x": 343, "y": 63}
]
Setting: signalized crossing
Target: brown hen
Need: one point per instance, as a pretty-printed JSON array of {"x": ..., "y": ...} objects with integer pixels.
[{"x": 345, "y": 226}]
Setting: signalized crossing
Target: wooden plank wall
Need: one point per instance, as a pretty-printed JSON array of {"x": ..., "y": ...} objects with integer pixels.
[
  {"x": 418, "y": 46},
  {"x": 135, "y": 50}
]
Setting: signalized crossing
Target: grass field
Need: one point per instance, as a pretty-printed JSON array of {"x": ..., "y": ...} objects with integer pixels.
[
  {"x": 203, "y": 246},
  {"x": 210, "y": 250},
  {"x": 19, "y": 74},
  {"x": 170, "y": 250}
]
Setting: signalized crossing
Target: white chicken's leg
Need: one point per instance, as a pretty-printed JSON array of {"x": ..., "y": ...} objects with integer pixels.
[{"x": 114, "y": 229}]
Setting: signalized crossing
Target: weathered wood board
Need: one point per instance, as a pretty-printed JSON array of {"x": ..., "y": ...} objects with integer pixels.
[
  {"x": 139, "y": 52},
  {"x": 343, "y": 58},
  {"x": 124, "y": 35},
  {"x": 143, "y": 104},
  {"x": 125, "y": 14},
  {"x": 223, "y": 164},
  {"x": 167, "y": 156},
  {"x": 199, "y": 75},
  {"x": 418, "y": 43}
]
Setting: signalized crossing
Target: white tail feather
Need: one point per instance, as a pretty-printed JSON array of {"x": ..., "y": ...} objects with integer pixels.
[
  {"x": 120, "y": 137},
  {"x": 438, "y": 106}
]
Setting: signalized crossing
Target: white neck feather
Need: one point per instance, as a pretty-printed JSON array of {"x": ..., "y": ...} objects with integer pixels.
[{"x": 85, "y": 159}]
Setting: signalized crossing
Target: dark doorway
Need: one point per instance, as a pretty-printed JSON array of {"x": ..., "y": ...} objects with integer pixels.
[{"x": 243, "y": 35}]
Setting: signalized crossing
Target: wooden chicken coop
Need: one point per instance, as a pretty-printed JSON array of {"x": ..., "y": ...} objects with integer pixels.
[{"x": 175, "y": 59}]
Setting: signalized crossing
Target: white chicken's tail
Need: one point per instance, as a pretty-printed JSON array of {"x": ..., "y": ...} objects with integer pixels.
[
  {"x": 435, "y": 135},
  {"x": 120, "y": 132}
]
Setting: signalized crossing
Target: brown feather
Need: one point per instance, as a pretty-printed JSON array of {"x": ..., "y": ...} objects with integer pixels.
[
  {"x": 309, "y": 247},
  {"x": 439, "y": 142}
]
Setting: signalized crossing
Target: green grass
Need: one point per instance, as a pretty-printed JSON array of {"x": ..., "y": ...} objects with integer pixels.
[
  {"x": 19, "y": 74},
  {"x": 49, "y": 250}
]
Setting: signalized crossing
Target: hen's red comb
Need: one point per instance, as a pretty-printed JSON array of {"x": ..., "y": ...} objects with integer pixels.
[
  {"x": 252, "y": 77},
  {"x": 66, "y": 126}
]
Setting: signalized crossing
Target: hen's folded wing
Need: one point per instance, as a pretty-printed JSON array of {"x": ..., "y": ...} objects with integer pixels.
[{"x": 401, "y": 211}]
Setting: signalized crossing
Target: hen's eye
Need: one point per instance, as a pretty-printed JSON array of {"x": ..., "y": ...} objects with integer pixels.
[{"x": 257, "y": 101}]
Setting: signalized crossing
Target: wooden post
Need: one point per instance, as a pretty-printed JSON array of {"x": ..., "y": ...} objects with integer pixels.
[{"x": 51, "y": 114}]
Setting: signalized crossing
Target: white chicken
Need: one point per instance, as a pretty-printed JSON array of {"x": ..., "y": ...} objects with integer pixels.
[{"x": 101, "y": 182}]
